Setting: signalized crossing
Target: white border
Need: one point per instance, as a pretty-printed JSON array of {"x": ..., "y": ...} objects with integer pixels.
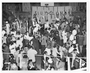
[
  {"x": 44, "y": 1},
  {"x": 88, "y": 31}
]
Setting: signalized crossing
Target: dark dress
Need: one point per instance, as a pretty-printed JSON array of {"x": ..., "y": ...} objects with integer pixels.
[
  {"x": 25, "y": 43},
  {"x": 80, "y": 39},
  {"x": 36, "y": 44}
]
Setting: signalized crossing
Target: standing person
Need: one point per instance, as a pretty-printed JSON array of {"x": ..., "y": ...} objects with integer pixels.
[
  {"x": 35, "y": 44},
  {"x": 55, "y": 54},
  {"x": 43, "y": 41},
  {"x": 22, "y": 60},
  {"x": 30, "y": 30},
  {"x": 47, "y": 25},
  {"x": 7, "y": 27},
  {"x": 4, "y": 38},
  {"x": 31, "y": 54},
  {"x": 5, "y": 50},
  {"x": 25, "y": 42},
  {"x": 19, "y": 43},
  {"x": 12, "y": 48},
  {"x": 54, "y": 51},
  {"x": 19, "y": 59},
  {"x": 80, "y": 40},
  {"x": 16, "y": 54},
  {"x": 8, "y": 40}
]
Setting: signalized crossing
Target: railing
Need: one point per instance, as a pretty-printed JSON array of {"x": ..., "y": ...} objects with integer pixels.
[
  {"x": 68, "y": 62},
  {"x": 80, "y": 58}
]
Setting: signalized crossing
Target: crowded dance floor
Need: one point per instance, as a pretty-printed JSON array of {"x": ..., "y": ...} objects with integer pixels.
[{"x": 44, "y": 36}]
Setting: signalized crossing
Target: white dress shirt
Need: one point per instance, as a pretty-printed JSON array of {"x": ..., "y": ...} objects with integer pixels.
[{"x": 31, "y": 54}]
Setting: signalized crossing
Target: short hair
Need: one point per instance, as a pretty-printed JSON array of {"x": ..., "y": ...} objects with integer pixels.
[
  {"x": 5, "y": 34},
  {"x": 17, "y": 48},
  {"x": 18, "y": 38}
]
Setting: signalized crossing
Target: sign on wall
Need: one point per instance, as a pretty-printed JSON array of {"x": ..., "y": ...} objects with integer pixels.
[
  {"x": 51, "y": 12},
  {"x": 47, "y": 4},
  {"x": 26, "y": 7}
]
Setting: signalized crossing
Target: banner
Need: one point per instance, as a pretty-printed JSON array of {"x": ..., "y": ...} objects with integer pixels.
[
  {"x": 51, "y": 13},
  {"x": 26, "y": 7},
  {"x": 68, "y": 11},
  {"x": 61, "y": 11},
  {"x": 34, "y": 11},
  {"x": 55, "y": 10}
]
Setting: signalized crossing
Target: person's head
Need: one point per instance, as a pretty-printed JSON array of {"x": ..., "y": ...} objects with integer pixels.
[
  {"x": 14, "y": 41},
  {"x": 17, "y": 49},
  {"x": 18, "y": 32},
  {"x": 6, "y": 22},
  {"x": 18, "y": 38},
  {"x": 55, "y": 46},
  {"x": 25, "y": 49},
  {"x": 4, "y": 44}
]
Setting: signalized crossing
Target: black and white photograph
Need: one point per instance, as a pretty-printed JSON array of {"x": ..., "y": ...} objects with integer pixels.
[{"x": 44, "y": 36}]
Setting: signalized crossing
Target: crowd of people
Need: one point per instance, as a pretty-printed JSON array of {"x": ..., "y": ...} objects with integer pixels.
[{"x": 52, "y": 42}]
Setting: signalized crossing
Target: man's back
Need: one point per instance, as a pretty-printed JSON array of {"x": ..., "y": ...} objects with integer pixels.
[{"x": 31, "y": 54}]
